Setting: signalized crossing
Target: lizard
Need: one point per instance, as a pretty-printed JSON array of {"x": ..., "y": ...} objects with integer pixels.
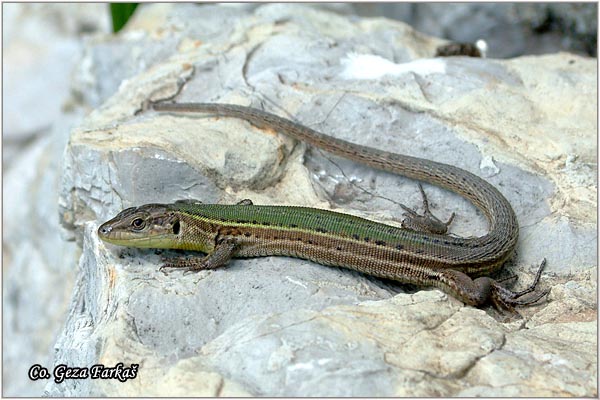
[{"x": 420, "y": 252}]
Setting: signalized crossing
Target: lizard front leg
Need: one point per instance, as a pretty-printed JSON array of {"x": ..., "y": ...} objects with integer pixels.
[{"x": 221, "y": 255}]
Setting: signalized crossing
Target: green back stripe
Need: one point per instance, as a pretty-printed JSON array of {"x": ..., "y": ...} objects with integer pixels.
[{"x": 302, "y": 218}]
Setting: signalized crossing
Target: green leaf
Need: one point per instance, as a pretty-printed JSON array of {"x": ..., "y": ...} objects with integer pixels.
[{"x": 121, "y": 12}]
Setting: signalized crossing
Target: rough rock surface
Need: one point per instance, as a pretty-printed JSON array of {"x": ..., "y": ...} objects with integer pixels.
[
  {"x": 39, "y": 51},
  {"x": 284, "y": 327}
]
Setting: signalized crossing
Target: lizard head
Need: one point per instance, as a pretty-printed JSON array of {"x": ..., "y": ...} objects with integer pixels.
[{"x": 147, "y": 226}]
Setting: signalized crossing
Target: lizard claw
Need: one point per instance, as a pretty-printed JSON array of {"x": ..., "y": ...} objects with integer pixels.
[
  {"x": 179, "y": 263},
  {"x": 504, "y": 298},
  {"x": 166, "y": 266}
]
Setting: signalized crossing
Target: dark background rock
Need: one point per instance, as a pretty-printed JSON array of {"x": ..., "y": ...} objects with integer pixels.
[{"x": 510, "y": 29}]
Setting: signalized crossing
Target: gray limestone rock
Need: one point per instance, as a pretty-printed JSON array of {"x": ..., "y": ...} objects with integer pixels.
[{"x": 39, "y": 50}]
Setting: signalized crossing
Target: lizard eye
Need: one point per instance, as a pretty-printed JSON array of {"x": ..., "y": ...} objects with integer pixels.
[{"x": 138, "y": 224}]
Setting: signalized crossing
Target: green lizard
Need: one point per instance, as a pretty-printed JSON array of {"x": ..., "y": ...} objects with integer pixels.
[{"x": 419, "y": 253}]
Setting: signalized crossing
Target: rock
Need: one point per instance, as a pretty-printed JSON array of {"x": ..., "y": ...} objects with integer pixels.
[
  {"x": 510, "y": 29},
  {"x": 39, "y": 47},
  {"x": 40, "y": 44},
  {"x": 313, "y": 341}
]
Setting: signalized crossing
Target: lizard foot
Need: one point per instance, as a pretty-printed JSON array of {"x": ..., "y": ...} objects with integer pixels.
[
  {"x": 427, "y": 222},
  {"x": 187, "y": 264},
  {"x": 504, "y": 298}
]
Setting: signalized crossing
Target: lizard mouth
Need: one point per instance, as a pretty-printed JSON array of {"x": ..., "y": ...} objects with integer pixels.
[{"x": 108, "y": 234}]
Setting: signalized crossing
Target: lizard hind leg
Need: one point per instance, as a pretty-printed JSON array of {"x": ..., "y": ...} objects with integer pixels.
[
  {"x": 474, "y": 292},
  {"x": 427, "y": 222},
  {"x": 482, "y": 290}
]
